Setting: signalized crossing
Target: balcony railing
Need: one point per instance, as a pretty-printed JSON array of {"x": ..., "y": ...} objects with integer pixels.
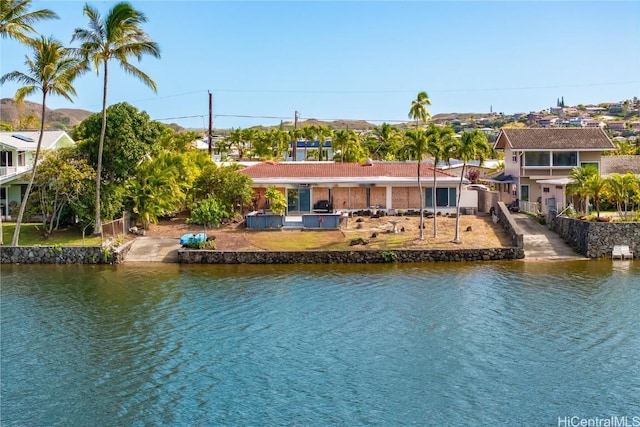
[
  {"x": 530, "y": 207},
  {"x": 8, "y": 170}
]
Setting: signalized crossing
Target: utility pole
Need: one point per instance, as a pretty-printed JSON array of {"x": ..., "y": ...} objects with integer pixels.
[
  {"x": 210, "y": 120},
  {"x": 295, "y": 137}
]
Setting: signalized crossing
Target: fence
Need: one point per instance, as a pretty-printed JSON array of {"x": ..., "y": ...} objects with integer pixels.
[{"x": 117, "y": 227}]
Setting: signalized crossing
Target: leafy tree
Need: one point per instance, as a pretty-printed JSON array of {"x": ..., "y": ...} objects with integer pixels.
[
  {"x": 277, "y": 200},
  {"x": 63, "y": 177},
  {"x": 231, "y": 188},
  {"x": 472, "y": 146},
  {"x": 418, "y": 110},
  {"x": 155, "y": 187},
  {"x": 416, "y": 146},
  {"x": 130, "y": 136},
  {"x": 440, "y": 143},
  {"x": 347, "y": 144},
  {"x": 117, "y": 37},
  {"x": 51, "y": 70},
  {"x": 16, "y": 20},
  {"x": 473, "y": 175}
]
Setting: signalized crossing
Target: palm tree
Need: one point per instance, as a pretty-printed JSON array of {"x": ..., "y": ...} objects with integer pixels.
[
  {"x": 385, "y": 141},
  {"x": 117, "y": 37},
  {"x": 51, "y": 70},
  {"x": 579, "y": 185},
  {"x": 472, "y": 146},
  {"x": 620, "y": 189},
  {"x": 440, "y": 142},
  {"x": 418, "y": 110},
  {"x": 15, "y": 20},
  {"x": 416, "y": 149}
]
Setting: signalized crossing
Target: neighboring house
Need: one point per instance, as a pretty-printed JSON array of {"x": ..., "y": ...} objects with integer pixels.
[
  {"x": 17, "y": 153},
  {"x": 620, "y": 165},
  {"x": 308, "y": 149},
  {"x": 538, "y": 163},
  {"x": 617, "y": 125},
  {"x": 454, "y": 167},
  {"x": 547, "y": 122},
  {"x": 387, "y": 186}
]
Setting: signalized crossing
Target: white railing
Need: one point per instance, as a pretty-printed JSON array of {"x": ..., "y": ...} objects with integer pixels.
[
  {"x": 530, "y": 207},
  {"x": 8, "y": 170}
]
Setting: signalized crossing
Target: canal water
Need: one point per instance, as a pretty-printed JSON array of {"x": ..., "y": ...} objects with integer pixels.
[{"x": 516, "y": 343}]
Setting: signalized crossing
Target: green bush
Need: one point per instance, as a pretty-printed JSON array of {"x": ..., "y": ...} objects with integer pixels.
[{"x": 209, "y": 212}]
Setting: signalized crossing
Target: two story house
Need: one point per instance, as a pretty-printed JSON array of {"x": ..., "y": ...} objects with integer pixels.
[
  {"x": 537, "y": 163},
  {"x": 17, "y": 153}
]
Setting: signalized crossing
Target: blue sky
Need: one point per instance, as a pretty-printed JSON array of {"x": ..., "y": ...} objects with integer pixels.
[{"x": 359, "y": 59}]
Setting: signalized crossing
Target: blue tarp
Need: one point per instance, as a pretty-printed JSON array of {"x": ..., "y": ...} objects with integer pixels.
[{"x": 192, "y": 238}]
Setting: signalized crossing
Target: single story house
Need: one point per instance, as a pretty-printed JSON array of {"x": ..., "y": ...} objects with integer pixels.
[
  {"x": 384, "y": 186},
  {"x": 17, "y": 154},
  {"x": 538, "y": 163}
]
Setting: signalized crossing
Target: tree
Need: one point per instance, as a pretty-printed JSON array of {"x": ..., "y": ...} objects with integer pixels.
[
  {"x": 16, "y": 20},
  {"x": 117, "y": 37},
  {"x": 416, "y": 147},
  {"x": 440, "y": 142},
  {"x": 620, "y": 189},
  {"x": 384, "y": 142},
  {"x": 418, "y": 110},
  {"x": 51, "y": 70},
  {"x": 472, "y": 146},
  {"x": 154, "y": 189},
  {"x": 230, "y": 187},
  {"x": 130, "y": 137},
  {"x": 277, "y": 200},
  {"x": 579, "y": 184},
  {"x": 63, "y": 178}
]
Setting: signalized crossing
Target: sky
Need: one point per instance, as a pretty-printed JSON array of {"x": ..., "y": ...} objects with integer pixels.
[{"x": 361, "y": 60}]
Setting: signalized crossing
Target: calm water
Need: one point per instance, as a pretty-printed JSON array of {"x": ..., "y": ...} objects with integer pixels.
[{"x": 435, "y": 344}]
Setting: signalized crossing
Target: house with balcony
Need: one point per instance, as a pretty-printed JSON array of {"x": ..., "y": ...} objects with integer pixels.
[
  {"x": 537, "y": 163},
  {"x": 17, "y": 154}
]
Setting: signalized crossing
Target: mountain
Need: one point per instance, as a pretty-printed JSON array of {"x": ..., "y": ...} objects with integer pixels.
[{"x": 62, "y": 118}]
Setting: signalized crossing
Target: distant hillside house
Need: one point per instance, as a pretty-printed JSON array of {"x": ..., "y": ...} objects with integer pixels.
[
  {"x": 310, "y": 150},
  {"x": 538, "y": 162},
  {"x": 17, "y": 153},
  {"x": 386, "y": 186}
]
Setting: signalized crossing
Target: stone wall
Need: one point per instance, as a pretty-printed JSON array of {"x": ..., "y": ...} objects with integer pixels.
[
  {"x": 64, "y": 254},
  {"x": 189, "y": 256},
  {"x": 56, "y": 255},
  {"x": 509, "y": 225},
  {"x": 597, "y": 239}
]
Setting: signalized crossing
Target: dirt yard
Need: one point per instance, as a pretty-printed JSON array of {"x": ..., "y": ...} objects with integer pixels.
[{"x": 476, "y": 231}]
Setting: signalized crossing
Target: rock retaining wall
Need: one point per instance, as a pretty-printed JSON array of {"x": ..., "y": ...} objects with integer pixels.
[
  {"x": 56, "y": 255},
  {"x": 188, "y": 256},
  {"x": 597, "y": 239}
]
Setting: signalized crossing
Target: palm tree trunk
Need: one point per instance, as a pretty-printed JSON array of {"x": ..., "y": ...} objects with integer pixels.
[
  {"x": 456, "y": 238},
  {"x": 433, "y": 199},
  {"x": 421, "y": 203},
  {"x": 98, "y": 221},
  {"x": 16, "y": 233}
]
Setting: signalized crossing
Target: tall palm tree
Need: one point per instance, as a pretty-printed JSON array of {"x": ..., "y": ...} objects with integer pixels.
[
  {"x": 16, "y": 20},
  {"x": 51, "y": 70},
  {"x": 440, "y": 143},
  {"x": 472, "y": 146},
  {"x": 384, "y": 142},
  {"x": 418, "y": 110},
  {"x": 117, "y": 37},
  {"x": 579, "y": 183},
  {"x": 416, "y": 148}
]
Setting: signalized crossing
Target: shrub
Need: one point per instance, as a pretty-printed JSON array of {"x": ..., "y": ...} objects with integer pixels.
[{"x": 209, "y": 212}]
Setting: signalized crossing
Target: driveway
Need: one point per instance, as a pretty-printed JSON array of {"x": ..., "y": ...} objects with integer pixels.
[
  {"x": 154, "y": 249},
  {"x": 542, "y": 243}
]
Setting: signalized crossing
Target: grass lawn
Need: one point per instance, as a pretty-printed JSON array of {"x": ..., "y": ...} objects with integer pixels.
[{"x": 33, "y": 234}]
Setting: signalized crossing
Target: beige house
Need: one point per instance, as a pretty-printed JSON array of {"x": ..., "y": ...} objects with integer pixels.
[
  {"x": 385, "y": 186},
  {"x": 537, "y": 163}
]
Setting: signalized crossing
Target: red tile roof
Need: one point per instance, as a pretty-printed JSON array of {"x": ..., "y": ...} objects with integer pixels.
[
  {"x": 554, "y": 139},
  {"x": 323, "y": 171}
]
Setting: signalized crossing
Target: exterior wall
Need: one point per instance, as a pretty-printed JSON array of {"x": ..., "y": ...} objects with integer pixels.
[
  {"x": 341, "y": 198},
  {"x": 511, "y": 168},
  {"x": 588, "y": 156},
  {"x": 406, "y": 197},
  {"x": 319, "y": 193},
  {"x": 509, "y": 225},
  {"x": 378, "y": 196},
  {"x": 358, "y": 198}
]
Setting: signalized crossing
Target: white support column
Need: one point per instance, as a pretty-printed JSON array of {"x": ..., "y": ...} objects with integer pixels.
[{"x": 389, "y": 197}]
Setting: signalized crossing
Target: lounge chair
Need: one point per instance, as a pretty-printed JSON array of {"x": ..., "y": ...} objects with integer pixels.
[{"x": 621, "y": 252}]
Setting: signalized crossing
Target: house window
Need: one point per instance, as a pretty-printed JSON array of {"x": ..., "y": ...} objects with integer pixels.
[
  {"x": 445, "y": 197},
  {"x": 21, "y": 156},
  {"x": 537, "y": 158},
  {"x": 594, "y": 164},
  {"x": 565, "y": 158},
  {"x": 514, "y": 158},
  {"x": 524, "y": 193},
  {"x": 6, "y": 158}
]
